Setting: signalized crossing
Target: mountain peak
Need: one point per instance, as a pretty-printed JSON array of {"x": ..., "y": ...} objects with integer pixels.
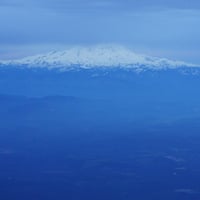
[{"x": 97, "y": 56}]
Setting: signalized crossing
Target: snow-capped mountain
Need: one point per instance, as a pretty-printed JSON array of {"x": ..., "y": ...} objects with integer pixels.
[
  {"x": 110, "y": 73},
  {"x": 98, "y": 56}
]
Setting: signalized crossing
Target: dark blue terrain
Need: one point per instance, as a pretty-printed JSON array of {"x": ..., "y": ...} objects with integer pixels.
[{"x": 99, "y": 134}]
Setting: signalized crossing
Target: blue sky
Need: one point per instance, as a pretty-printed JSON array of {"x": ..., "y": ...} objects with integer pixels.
[{"x": 167, "y": 28}]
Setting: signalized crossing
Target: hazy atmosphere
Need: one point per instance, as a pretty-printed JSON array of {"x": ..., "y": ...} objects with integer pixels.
[
  {"x": 158, "y": 28},
  {"x": 99, "y": 99}
]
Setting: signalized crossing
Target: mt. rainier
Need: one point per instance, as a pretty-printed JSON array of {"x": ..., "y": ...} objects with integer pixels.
[{"x": 98, "y": 56}]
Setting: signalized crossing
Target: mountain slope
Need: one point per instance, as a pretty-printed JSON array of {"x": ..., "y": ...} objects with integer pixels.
[
  {"x": 101, "y": 73},
  {"x": 98, "y": 56}
]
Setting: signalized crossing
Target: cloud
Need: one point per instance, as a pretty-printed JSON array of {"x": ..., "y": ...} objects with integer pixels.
[
  {"x": 111, "y": 5},
  {"x": 186, "y": 191},
  {"x": 174, "y": 159},
  {"x": 156, "y": 26}
]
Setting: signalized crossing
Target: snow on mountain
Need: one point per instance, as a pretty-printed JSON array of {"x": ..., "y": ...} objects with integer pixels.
[{"x": 98, "y": 56}]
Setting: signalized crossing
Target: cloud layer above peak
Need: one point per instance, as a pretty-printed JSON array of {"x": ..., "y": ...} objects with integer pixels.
[{"x": 161, "y": 28}]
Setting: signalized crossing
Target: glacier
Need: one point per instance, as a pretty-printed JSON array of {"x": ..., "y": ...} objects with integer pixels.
[{"x": 99, "y": 56}]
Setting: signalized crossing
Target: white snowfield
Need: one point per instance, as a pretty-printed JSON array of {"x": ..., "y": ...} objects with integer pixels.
[{"x": 97, "y": 56}]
